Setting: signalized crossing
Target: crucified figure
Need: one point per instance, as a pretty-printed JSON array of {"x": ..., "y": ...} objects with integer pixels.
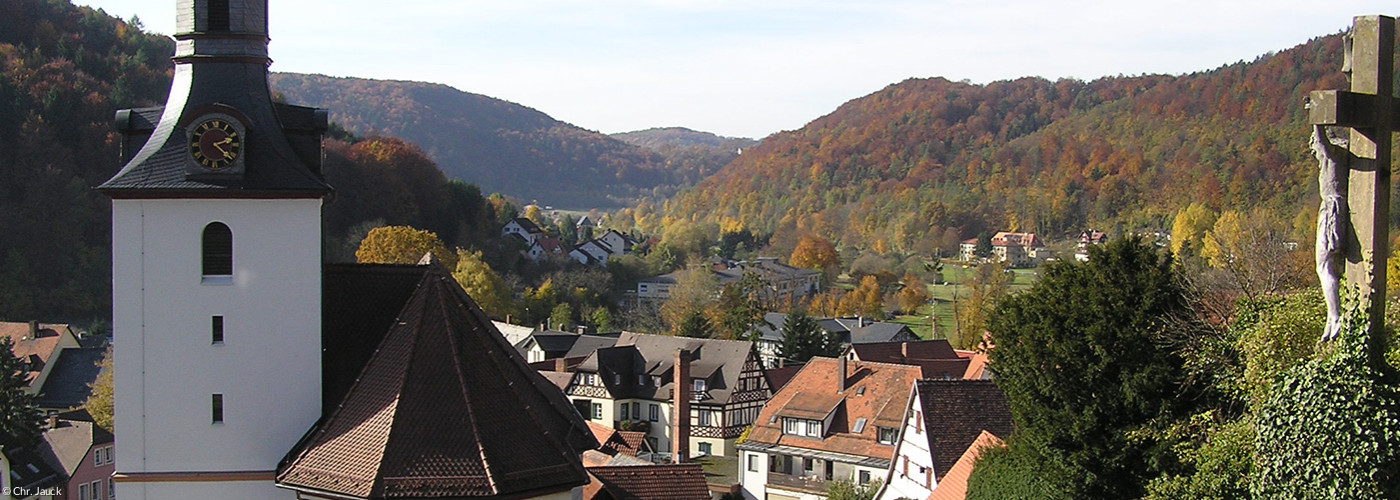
[{"x": 1332, "y": 216}]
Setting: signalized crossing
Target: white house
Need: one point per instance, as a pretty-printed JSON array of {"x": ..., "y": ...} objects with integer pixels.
[
  {"x": 523, "y": 228},
  {"x": 943, "y": 421}
]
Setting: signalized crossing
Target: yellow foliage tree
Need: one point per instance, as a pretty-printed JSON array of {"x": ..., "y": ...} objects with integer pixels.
[
  {"x": 482, "y": 284},
  {"x": 816, "y": 252},
  {"x": 402, "y": 245},
  {"x": 866, "y": 300},
  {"x": 1191, "y": 225}
]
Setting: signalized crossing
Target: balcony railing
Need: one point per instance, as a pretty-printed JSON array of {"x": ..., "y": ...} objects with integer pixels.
[{"x": 797, "y": 483}]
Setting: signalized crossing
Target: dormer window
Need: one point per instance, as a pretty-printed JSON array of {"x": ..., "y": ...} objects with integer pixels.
[
  {"x": 802, "y": 427},
  {"x": 217, "y": 253},
  {"x": 886, "y": 435},
  {"x": 699, "y": 385}
]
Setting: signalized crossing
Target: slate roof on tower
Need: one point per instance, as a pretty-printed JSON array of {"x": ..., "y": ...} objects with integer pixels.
[{"x": 444, "y": 408}]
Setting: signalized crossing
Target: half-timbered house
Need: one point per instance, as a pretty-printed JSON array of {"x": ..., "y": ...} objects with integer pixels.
[{"x": 632, "y": 386}]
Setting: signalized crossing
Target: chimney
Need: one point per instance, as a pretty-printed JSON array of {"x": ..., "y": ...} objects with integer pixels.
[
  {"x": 680, "y": 408},
  {"x": 34, "y": 329},
  {"x": 841, "y": 377},
  {"x": 904, "y": 350},
  {"x": 561, "y": 365},
  {"x": 53, "y": 420}
]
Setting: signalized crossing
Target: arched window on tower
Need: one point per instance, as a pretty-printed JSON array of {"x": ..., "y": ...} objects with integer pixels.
[
  {"x": 218, "y": 15},
  {"x": 217, "y": 251}
]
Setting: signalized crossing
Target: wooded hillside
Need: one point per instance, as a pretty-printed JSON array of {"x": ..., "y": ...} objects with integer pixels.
[{"x": 903, "y": 168}]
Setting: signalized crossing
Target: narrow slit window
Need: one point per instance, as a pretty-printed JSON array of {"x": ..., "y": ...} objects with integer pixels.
[
  {"x": 216, "y": 329},
  {"x": 218, "y": 15},
  {"x": 218, "y": 407},
  {"x": 217, "y": 250}
]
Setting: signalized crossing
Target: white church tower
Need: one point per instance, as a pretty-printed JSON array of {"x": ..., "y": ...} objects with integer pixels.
[{"x": 216, "y": 259}]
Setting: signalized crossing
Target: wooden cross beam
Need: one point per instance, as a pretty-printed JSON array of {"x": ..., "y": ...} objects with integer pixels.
[{"x": 1372, "y": 113}]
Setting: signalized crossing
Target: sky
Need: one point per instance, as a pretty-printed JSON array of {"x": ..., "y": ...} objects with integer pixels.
[{"x": 750, "y": 68}]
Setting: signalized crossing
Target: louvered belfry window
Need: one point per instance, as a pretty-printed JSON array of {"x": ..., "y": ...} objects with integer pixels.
[
  {"x": 218, "y": 15},
  {"x": 218, "y": 250}
]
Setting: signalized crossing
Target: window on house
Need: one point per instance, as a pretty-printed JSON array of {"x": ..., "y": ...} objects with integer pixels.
[
  {"x": 641, "y": 380},
  {"x": 860, "y": 425},
  {"x": 753, "y": 462},
  {"x": 654, "y": 413},
  {"x": 217, "y": 253},
  {"x": 83, "y": 492},
  {"x": 625, "y": 413},
  {"x": 864, "y": 476},
  {"x": 802, "y": 427},
  {"x": 704, "y": 418},
  {"x": 218, "y": 408},
  {"x": 218, "y": 15},
  {"x": 886, "y": 435},
  {"x": 111, "y": 488},
  {"x": 706, "y": 449},
  {"x": 637, "y": 411},
  {"x": 699, "y": 385},
  {"x": 216, "y": 329},
  {"x": 96, "y": 490},
  {"x": 656, "y": 380},
  {"x": 617, "y": 379},
  {"x": 814, "y": 428},
  {"x": 597, "y": 411}
]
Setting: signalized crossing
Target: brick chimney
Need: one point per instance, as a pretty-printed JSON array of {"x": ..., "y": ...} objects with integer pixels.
[
  {"x": 561, "y": 365},
  {"x": 841, "y": 377},
  {"x": 680, "y": 408},
  {"x": 904, "y": 350},
  {"x": 34, "y": 329}
]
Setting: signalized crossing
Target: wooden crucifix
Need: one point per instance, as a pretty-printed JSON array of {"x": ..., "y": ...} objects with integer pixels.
[{"x": 1369, "y": 115}]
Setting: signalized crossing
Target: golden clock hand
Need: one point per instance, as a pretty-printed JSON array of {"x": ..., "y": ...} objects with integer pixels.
[{"x": 219, "y": 146}]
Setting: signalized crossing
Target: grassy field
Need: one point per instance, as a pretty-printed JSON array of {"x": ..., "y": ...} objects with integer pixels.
[{"x": 944, "y": 296}]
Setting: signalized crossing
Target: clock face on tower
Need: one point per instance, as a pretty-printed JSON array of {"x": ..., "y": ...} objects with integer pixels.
[{"x": 215, "y": 143}]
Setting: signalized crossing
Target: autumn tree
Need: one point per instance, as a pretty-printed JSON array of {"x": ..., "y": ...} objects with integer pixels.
[
  {"x": 1252, "y": 252},
  {"x": 482, "y": 284},
  {"x": 402, "y": 245},
  {"x": 987, "y": 284},
  {"x": 19, "y": 414},
  {"x": 1190, "y": 226},
  {"x": 914, "y": 294},
  {"x": 100, "y": 399},
  {"x": 562, "y": 317},
  {"x": 695, "y": 291},
  {"x": 740, "y": 306},
  {"x": 816, "y": 252},
  {"x": 866, "y": 300}
]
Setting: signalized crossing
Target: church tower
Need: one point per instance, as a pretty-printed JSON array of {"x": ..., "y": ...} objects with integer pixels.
[{"x": 216, "y": 259}]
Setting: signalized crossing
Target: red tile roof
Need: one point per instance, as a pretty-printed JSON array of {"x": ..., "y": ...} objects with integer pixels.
[
  {"x": 649, "y": 482},
  {"x": 444, "y": 408},
  {"x": 953, "y": 486},
  {"x": 936, "y": 358},
  {"x": 37, "y": 349},
  {"x": 876, "y": 392}
]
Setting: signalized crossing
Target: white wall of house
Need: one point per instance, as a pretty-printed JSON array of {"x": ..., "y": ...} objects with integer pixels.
[
  {"x": 753, "y": 474},
  {"x": 166, "y": 366},
  {"x": 911, "y": 472}
]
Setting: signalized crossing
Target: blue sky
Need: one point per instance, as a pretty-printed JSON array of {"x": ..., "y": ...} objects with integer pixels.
[{"x": 751, "y": 68}]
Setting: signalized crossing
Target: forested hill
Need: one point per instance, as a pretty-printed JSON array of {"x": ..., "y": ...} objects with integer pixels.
[
  {"x": 64, "y": 70},
  {"x": 691, "y": 155},
  {"x": 502, "y": 146},
  {"x": 925, "y": 161}
]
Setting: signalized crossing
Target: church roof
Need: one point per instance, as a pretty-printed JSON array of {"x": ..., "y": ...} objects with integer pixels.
[{"x": 445, "y": 408}]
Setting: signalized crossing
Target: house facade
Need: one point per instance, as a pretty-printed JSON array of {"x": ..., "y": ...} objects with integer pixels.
[
  {"x": 835, "y": 420},
  {"x": 944, "y": 420},
  {"x": 523, "y": 228},
  {"x": 1015, "y": 249},
  {"x": 633, "y": 386},
  {"x": 1087, "y": 239}
]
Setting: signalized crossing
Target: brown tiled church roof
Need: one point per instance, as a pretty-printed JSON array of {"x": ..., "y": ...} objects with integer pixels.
[{"x": 445, "y": 408}]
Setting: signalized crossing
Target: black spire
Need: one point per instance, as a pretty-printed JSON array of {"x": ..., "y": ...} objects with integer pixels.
[{"x": 219, "y": 134}]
